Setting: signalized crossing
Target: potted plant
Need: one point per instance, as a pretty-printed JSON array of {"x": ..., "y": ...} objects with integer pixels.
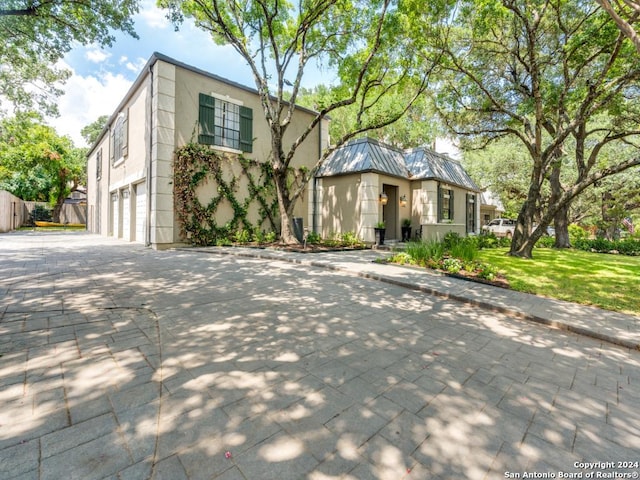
[
  {"x": 406, "y": 229},
  {"x": 379, "y": 230}
]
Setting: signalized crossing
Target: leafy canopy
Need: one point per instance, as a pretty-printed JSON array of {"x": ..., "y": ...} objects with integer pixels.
[
  {"x": 35, "y": 162},
  {"x": 36, "y": 34}
]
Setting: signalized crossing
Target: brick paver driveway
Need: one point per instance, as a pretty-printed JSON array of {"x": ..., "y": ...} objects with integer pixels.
[{"x": 124, "y": 363}]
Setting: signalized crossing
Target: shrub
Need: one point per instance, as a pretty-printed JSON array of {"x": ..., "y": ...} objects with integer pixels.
[
  {"x": 402, "y": 258},
  {"x": 486, "y": 271},
  {"x": 451, "y": 239},
  {"x": 576, "y": 232},
  {"x": 629, "y": 246},
  {"x": 313, "y": 238},
  {"x": 242, "y": 236},
  {"x": 41, "y": 213},
  {"x": 489, "y": 240},
  {"x": 350, "y": 239},
  {"x": 546, "y": 242},
  {"x": 452, "y": 265}
]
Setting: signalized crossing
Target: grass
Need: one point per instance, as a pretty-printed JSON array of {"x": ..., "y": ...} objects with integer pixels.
[
  {"x": 608, "y": 281},
  {"x": 53, "y": 229}
]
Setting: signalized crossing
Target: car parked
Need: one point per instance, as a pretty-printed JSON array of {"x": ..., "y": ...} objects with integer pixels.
[{"x": 500, "y": 227}]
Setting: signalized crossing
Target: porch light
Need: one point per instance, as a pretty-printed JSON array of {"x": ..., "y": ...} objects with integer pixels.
[
  {"x": 384, "y": 198},
  {"x": 403, "y": 201}
]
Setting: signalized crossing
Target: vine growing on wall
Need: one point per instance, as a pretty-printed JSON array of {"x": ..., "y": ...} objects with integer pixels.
[{"x": 196, "y": 164}]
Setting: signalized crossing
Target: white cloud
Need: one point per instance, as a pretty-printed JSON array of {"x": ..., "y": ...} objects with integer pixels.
[
  {"x": 152, "y": 16},
  {"x": 85, "y": 99},
  {"x": 97, "y": 56},
  {"x": 137, "y": 66}
]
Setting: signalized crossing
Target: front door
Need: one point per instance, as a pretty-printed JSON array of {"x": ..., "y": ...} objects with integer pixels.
[{"x": 390, "y": 212}]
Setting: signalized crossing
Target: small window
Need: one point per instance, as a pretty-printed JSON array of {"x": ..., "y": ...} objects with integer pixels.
[{"x": 445, "y": 204}]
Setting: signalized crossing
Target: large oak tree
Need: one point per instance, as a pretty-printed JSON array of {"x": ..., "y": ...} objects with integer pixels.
[{"x": 558, "y": 76}]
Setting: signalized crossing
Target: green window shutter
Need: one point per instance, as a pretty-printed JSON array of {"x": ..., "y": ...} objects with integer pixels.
[
  {"x": 125, "y": 134},
  {"x": 451, "y": 217},
  {"x": 440, "y": 202},
  {"x": 112, "y": 144},
  {"x": 246, "y": 129},
  {"x": 206, "y": 119}
]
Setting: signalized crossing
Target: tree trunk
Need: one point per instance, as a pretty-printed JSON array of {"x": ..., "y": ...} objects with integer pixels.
[
  {"x": 561, "y": 224},
  {"x": 521, "y": 245},
  {"x": 284, "y": 207},
  {"x": 561, "y": 218},
  {"x": 57, "y": 209}
]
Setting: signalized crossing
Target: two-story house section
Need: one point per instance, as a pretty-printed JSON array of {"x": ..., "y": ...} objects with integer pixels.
[{"x": 130, "y": 166}]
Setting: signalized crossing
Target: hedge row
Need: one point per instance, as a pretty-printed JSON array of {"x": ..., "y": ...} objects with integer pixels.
[{"x": 628, "y": 246}]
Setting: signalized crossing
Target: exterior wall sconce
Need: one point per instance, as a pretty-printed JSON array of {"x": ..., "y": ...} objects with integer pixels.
[
  {"x": 384, "y": 198},
  {"x": 403, "y": 201}
]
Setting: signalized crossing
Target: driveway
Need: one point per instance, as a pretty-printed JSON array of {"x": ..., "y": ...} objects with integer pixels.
[{"x": 121, "y": 362}]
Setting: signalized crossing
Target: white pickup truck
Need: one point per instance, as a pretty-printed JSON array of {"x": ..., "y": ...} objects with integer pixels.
[{"x": 500, "y": 227}]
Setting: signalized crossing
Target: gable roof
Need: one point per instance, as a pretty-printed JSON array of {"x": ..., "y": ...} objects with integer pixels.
[{"x": 368, "y": 155}]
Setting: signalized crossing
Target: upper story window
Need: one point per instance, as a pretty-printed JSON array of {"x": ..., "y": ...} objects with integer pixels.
[
  {"x": 225, "y": 124},
  {"x": 120, "y": 137},
  {"x": 445, "y": 204},
  {"x": 99, "y": 164}
]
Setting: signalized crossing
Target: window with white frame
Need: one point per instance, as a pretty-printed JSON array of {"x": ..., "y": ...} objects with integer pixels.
[
  {"x": 225, "y": 124},
  {"x": 119, "y": 138}
]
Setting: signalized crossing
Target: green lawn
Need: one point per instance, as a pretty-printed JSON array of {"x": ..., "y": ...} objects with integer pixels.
[{"x": 607, "y": 281}]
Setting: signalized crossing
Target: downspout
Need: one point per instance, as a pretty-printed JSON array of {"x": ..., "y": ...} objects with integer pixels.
[
  {"x": 149, "y": 181},
  {"x": 109, "y": 202},
  {"x": 314, "y": 207}
]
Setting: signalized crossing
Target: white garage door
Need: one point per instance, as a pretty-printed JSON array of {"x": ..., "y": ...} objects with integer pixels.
[
  {"x": 126, "y": 215},
  {"x": 114, "y": 214},
  {"x": 141, "y": 212}
]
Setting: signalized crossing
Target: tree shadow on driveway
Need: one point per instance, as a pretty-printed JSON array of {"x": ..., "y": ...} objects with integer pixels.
[{"x": 123, "y": 362}]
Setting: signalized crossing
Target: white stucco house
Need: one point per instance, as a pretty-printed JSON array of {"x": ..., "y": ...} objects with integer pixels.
[
  {"x": 130, "y": 167},
  {"x": 366, "y": 181},
  {"x": 130, "y": 174}
]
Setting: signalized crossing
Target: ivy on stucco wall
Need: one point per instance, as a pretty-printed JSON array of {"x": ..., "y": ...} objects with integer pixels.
[{"x": 199, "y": 224}]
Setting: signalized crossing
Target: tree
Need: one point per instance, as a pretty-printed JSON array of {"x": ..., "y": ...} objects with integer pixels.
[
  {"x": 364, "y": 40},
  {"x": 36, "y": 34},
  {"x": 36, "y": 163},
  {"x": 91, "y": 132},
  {"x": 625, "y": 13},
  {"x": 418, "y": 127},
  {"x": 604, "y": 205},
  {"x": 558, "y": 76},
  {"x": 498, "y": 168}
]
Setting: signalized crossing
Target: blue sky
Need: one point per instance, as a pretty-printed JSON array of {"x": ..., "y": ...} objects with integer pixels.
[{"x": 101, "y": 77}]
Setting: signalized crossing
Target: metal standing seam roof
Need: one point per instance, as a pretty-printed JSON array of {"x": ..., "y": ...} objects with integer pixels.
[
  {"x": 364, "y": 155},
  {"x": 424, "y": 164}
]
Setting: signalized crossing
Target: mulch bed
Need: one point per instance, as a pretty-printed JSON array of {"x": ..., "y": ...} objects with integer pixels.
[
  {"x": 464, "y": 275},
  {"x": 309, "y": 248}
]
